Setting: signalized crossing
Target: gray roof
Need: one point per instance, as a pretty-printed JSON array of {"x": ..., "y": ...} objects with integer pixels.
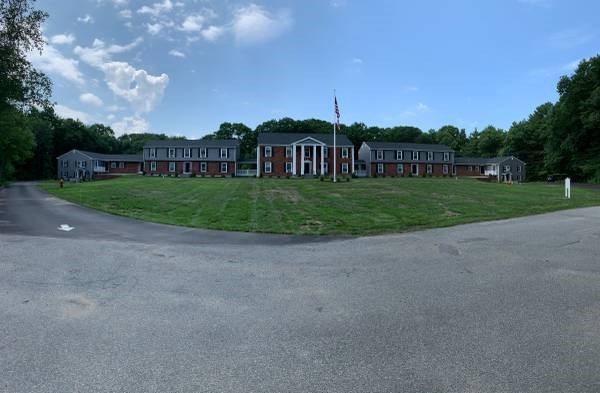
[
  {"x": 111, "y": 157},
  {"x": 193, "y": 143},
  {"x": 408, "y": 146},
  {"x": 283, "y": 138},
  {"x": 481, "y": 160}
]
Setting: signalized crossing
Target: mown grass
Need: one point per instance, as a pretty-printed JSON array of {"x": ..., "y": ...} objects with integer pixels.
[{"x": 307, "y": 206}]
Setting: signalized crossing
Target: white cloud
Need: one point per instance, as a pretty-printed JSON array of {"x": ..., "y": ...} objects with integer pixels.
[
  {"x": 116, "y": 3},
  {"x": 157, "y": 8},
  {"x": 53, "y": 62},
  {"x": 193, "y": 23},
  {"x": 253, "y": 24},
  {"x": 570, "y": 38},
  {"x": 99, "y": 53},
  {"x": 69, "y": 113},
  {"x": 176, "y": 53},
  {"x": 356, "y": 60},
  {"x": 91, "y": 99},
  {"x": 142, "y": 90},
  {"x": 212, "y": 33},
  {"x": 415, "y": 110},
  {"x": 60, "y": 39},
  {"x": 87, "y": 18},
  {"x": 130, "y": 125},
  {"x": 154, "y": 28},
  {"x": 125, "y": 14}
]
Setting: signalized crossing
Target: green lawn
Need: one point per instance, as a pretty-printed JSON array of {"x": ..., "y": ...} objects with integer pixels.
[{"x": 307, "y": 206}]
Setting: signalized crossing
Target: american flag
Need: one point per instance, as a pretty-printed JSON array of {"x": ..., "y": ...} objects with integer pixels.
[{"x": 337, "y": 111}]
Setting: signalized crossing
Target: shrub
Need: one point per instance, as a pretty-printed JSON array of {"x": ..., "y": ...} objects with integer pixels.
[
  {"x": 347, "y": 179},
  {"x": 410, "y": 174},
  {"x": 287, "y": 177},
  {"x": 321, "y": 178},
  {"x": 222, "y": 175}
]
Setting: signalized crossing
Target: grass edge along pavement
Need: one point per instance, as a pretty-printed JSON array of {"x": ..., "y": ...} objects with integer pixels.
[{"x": 312, "y": 207}]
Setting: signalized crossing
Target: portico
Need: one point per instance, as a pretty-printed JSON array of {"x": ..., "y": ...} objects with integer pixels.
[{"x": 308, "y": 157}]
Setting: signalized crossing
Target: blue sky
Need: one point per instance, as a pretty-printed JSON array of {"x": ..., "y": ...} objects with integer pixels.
[{"x": 183, "y": 66}]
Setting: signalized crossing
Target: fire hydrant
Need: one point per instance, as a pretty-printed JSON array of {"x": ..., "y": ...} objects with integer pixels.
[{"x": 62, "y": 183}]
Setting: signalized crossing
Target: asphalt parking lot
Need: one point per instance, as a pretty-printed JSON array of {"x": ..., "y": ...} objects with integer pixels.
[{"x": 117, "y": 305}]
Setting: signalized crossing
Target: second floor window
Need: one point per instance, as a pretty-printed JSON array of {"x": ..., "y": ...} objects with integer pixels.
[
  {"x": 345, "y": 152},
  {"x": 415, "y": 155},
  {"x": 288, "y": 151},
  {"x": 171, "y": 152},
  {"x": 325, "y": 152},
  {"x": 121, "y": 164},
  {"x": 519, "y": 168},
  {"x": 268, "y": 151},
  {"x": 187, "y": 152},
  {"x": 429, "y": 156},
  {"x": 203, "y": 152},
  {"x": 113, "y": 164},
  {"x": 506, "y": 168},
  {"x": 153, "y": 153},
  {"x": 224, "y": 153},
  {"x": 399, "y": 155},
  {"x": 380, "y": 154},
  {"x": 446, "y": 156}
]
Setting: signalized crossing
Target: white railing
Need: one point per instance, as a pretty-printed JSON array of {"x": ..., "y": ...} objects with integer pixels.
[
  {"x": 246, "y": 172},
  {"x": 99, "y": 169}
]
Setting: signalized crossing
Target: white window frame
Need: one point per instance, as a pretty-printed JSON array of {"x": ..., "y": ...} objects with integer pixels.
[
  {"x": 152, "y": 166},
  {"x": 288, "y": 167},
  {"x": 113, "y": 164},
  {"x": 268, "y": 167},
  {"x": 344, "y": 167},
  {"x": 203, "y": 152},
  {"x": 506, "y": 168},
  {"x": 203, "y": 167},
  {"x": 224, "y": 165},
  {"x": 470, "y": 168},
  {"x": 400, "y": 168},
  {"x": 307, "y": 152},
  {"x": 414, "y": 166},
  {"x": 226, "y": 151},
  {"x": 399, "y": 155},
  {"x": 446, "y": 156},
  {"x": 380, "y": 154},
  {"x": 191, "y": 168},
  {"x": 187, "y": 152},
  {"x": 415, "y": 155},
  {"x": 65, "y": 164},
  {"x": 345, "y": 152},
  {"x": 153, "y": 152},
  {"x": 429, "y": 169},
  {"x": 445, "y": 169},
  {"x": 172, "y": 165},
  {"x": 429, "y": 156},
  {"x": 288, "y": 151},
  {"x": 268, "y": 151},
  {"x": 380, "y": 168},
  {"x": 121, "y": 164},
  {"x": 519, "y": 169},
  {"x": 171, "y": 155}
]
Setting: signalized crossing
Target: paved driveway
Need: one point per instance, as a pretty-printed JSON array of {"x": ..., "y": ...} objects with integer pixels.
[{"x": 508, "y": 306}]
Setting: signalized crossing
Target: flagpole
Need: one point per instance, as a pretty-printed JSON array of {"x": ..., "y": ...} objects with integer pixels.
[{"x": 334, "y": 147}]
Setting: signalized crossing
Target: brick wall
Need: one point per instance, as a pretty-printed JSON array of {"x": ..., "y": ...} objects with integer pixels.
[
  {"x": 391, "y": 169},
  {"x": 130, "y": 167},
  {"x": 212, "y": 168}
]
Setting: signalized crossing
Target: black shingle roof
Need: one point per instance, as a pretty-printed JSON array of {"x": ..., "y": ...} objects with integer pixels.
[
  {"x": 114, "y": 157},
  {"x": 276, "y": 138},
  {"x": 479, "y": 160},
  {"x": 193, "y": 143},
  {"x": 408, "y": 146}
]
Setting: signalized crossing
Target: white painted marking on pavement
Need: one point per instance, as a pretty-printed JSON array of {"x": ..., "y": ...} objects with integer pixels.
[{"x": 65, "y": 227}]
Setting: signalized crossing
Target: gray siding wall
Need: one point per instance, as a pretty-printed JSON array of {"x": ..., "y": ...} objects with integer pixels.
[
  {"x": 67, "y": 165},
  {"x": 513, "y": 169},
  {"x": 212, "y": 154},
  {"x": 389, "y": 155},
  {"x": 364, "y": 153}
]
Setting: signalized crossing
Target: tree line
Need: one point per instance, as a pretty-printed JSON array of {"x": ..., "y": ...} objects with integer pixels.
[{"x": 561, "y": 137}]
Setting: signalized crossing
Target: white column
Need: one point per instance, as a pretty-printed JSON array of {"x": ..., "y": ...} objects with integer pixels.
[
  {"x": 314, "y": 160},
  {"x": 257, "y": 162},
  {"x": 352, "y": 169},
  {"x": 301, "y": 160},
  {"x": 322, "y": 160},
  {"x": 294, "y": 159}
]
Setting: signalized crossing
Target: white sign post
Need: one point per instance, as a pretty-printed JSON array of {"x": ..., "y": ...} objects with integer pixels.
[{"x": 568, "y": 188}]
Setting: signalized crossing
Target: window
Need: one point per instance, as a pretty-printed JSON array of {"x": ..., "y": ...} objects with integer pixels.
[
  {"x": 380, "y": 154},
  {"x": 153, "y": 153},
  {"x": 477, "y": 168},
  {"x": 325, "y": 152},
  {"x": 121, "y": 164},
  {"x": 203, "y": 152},
  {"x": 288, "y": 167},
  {"x": 224, "y": 153},
  {"x": 171, "y": 152},
  {"x": 203, "y": 167},
  {"x": 187, "y": 152},
  {"x": 446, "y": 156},
  {"x": 400, "y": 168},
  {"x": 519, "y": 170},
  {"x": 325, "y": 167},
  {"x": 344, "y": 167},
  {"x": 445, "y": 169},
  {"x": 345, "y": 154},
  {"x": 288, "y": 151},
  {"x": 379, "y": 168},
  {"x": 153, "y": 166},
  {"x": 506, "y": 168},
  {"x": 399, "y": 155},
  {"x": 65, "y": 164},
  {"x": 171, "y": 166},
  {"x": 113, "y": 164},
  {"x": 223, "y": 167},
  {"x": 307, "y": 152},
  {"x": 429, "y": 156},
  {"x": 268, "y": 151},
  {"x": 268, "y": 167},
  {"x": 470, "y": 168},
  {"x": 82, "y": 164},
  {"x": 429, "y": 169},
  {"x": 415, "y": 155}
]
